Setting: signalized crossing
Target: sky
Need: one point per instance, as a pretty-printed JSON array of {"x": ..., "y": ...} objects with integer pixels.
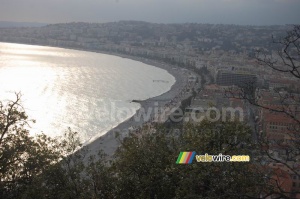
[{"x": 242, "y": 12}]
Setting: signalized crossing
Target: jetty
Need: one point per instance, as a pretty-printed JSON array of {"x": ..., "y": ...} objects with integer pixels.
[{"x": 163, "y": 81}]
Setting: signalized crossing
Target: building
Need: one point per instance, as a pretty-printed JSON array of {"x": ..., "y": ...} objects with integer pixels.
[
  {"x": 230, "y": 78},
  {"x": 284, "y": 179}
]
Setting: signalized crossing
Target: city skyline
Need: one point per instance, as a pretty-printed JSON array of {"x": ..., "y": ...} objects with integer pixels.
[{"x": 241, "y": 12}]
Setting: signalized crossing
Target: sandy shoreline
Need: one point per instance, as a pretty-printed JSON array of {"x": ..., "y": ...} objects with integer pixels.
[{"x": 108, "y": 143}]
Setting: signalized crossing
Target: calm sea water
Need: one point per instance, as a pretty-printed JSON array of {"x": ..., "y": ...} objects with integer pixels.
[{"x": 89, "y": 92}]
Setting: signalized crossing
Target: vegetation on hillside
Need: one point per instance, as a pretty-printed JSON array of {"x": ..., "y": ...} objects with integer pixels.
[{"x": 143, "y": 166}]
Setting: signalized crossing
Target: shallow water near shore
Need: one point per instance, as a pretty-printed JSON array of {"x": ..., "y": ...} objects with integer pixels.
[{"x": 89, "y": 92}]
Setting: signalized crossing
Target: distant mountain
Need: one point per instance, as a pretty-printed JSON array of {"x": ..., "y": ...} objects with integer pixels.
[{"x": 4, "y": 24}]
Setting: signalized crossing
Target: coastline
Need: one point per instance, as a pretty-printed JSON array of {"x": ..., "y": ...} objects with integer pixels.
[{"x": 109, "y": 142}]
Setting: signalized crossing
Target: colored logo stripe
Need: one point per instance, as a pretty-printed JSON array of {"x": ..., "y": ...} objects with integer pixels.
[{"x": 185, "y": 157}]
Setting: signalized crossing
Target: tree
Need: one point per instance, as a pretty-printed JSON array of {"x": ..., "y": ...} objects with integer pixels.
[
  {"x": 22, "y": 157},
  {"x": 285, "y": 61},
  {"x": 77, "y": 175},
  {"x": 146, "y": 165},
  {"x": 44, "y": 167}
]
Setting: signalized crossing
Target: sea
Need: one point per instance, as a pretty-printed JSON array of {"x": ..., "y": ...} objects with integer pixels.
[{"x": 85, "y": 91}]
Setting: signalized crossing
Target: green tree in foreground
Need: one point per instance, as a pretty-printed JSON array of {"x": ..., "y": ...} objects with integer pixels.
[
  {"x": 44, "y": 167},
  {"x": 75, "y": 176},
  {"x": 146, "y": 166},
  {"x": 22, "y": 157}
]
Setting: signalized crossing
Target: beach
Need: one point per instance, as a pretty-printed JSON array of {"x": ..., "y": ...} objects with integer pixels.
[{"x": 109, "y": 142}]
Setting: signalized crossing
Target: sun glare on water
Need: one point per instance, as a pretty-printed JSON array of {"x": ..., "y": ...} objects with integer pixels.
[
  {"x": 36, "y": 82},
  {"x": 64, "y": 88}
]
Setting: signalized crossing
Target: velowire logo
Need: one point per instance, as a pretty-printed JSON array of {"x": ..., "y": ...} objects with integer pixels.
[{"x": 185, "y": 157}]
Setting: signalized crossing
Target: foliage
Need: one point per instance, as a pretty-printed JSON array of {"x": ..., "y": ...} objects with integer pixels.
[
  {"x": 284, "y": 61},
  {"x": 146, "y": 166},
  {"x": 22, "y": 157},
  {"x": 44, "y": 167}
]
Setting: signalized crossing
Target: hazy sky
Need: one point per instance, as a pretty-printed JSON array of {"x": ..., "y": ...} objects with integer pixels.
[{"x": 253, "y": 12}]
